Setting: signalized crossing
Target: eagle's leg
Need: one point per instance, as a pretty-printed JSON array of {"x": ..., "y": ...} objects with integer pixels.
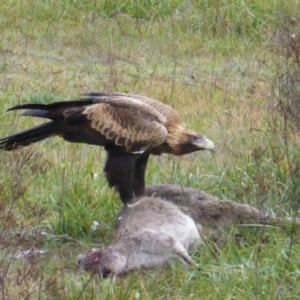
[
  {"x": 119, "y": 171},
  {"x": 139, "y": 175}
]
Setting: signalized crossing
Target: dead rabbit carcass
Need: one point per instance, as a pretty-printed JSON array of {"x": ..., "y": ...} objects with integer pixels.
[
  {"x": 163, "y": 225},
  {"x": 149, "y": 232}
]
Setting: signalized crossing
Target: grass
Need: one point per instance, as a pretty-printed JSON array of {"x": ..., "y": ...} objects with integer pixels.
[{"x": 227, "y": 66}]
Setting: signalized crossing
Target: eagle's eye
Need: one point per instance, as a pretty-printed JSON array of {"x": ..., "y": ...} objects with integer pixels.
[{"x": 194, "y": 138}]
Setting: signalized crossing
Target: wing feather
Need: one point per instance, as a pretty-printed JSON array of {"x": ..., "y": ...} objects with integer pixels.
[
  {"x": 132, "y": 103},
  {"x": 167, "y": 111},
  {"x": 128, "y": 122}
]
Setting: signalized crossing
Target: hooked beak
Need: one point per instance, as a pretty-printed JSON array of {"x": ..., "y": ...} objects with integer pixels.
[
  {"x": 210, "y": 145},
  {"x": 204, "y": 143}
]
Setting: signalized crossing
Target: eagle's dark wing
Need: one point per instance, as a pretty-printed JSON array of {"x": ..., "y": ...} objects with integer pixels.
[{"x": 115, "y": 120}]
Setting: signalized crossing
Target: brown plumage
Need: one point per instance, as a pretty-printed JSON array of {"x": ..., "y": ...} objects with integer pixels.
[{"x": 130, "y": 127}]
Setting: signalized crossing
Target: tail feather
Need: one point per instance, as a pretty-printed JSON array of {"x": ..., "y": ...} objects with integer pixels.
[
  {"x": 52, "y": 111},
  {"x": 27, "y": 137},
  {"x": 55, "y": 105},
  {"x": 36, "y": 113}
]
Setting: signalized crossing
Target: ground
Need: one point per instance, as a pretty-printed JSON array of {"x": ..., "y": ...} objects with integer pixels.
[{"x": 230, "y": 68}]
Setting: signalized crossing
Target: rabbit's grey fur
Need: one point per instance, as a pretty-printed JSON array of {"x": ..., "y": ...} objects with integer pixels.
[
  {"x": 164, "y": 224},
  {"x": 149, "y": 232}
]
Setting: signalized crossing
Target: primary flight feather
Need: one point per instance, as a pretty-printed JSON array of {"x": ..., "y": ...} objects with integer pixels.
[{"x": 130, "y": 127}]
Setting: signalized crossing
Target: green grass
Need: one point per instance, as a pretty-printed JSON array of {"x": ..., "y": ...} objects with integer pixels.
[{"x": 224, "y": 66}]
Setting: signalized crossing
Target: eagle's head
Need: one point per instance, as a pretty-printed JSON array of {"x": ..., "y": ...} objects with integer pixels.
[{"x": 183, "y": 141}]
